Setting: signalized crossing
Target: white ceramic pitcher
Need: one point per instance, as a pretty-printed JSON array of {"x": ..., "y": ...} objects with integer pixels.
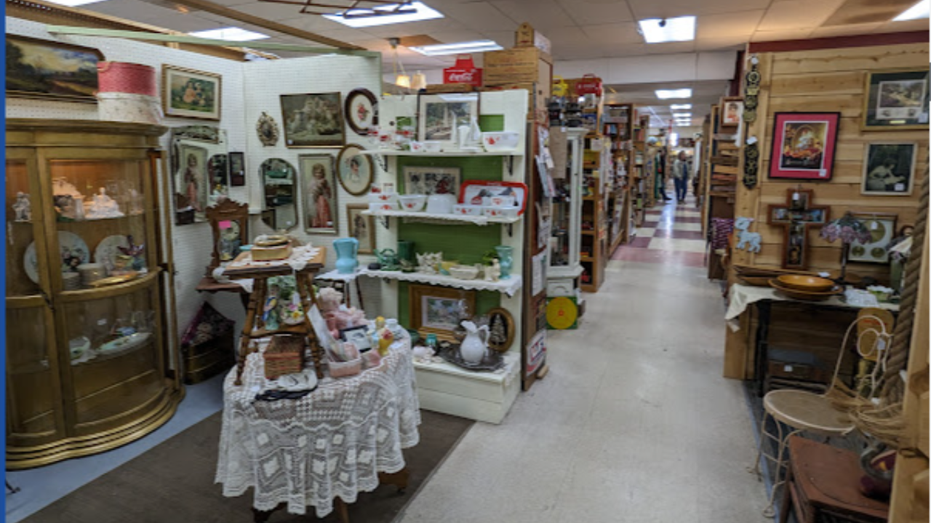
[{"x": 475, "y": 344}]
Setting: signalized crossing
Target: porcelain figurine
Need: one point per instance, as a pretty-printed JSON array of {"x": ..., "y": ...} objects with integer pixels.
[
  {"x": 103, "y": 207},
  {"x": 135, "y": 252},
  {"x": 493, "y": 272},
  {"x": 136, "y": 202},
  {"x": 388, "y": 259},
  {"x": 473, "y": 347},
  {"x": 329, "y": 300},
  {"x": 270, "y": 309},
  {"x": 22, "y": 209},
  {"x": 423, "y": 354},
  {"x": 429, "y": 262},
  {"x": 505, "y": 260}
]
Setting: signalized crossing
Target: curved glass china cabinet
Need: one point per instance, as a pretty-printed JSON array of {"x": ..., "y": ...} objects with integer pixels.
[{"x": 87, "y": 362}]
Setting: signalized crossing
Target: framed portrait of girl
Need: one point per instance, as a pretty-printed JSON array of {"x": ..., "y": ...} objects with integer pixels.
[{"x": 318, "y": 187}]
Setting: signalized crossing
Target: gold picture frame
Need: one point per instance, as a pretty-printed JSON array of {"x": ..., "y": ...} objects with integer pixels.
[
  {"x": 435, "y": 310},
  {"x": 184, "y": 91},
  {"x": 361, "y": 227}
]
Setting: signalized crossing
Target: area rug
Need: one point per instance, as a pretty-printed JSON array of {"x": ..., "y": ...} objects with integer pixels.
[{"x": 173, "y": 483}]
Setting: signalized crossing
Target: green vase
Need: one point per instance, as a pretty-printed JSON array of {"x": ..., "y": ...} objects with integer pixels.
[{"x": 406, "y": 255}]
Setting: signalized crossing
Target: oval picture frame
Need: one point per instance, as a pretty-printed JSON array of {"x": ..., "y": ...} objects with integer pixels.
[
  {"x": 356, "y": 182},
  {"x": 508, "y": 325},
  {"x": 361, "y": 123}
]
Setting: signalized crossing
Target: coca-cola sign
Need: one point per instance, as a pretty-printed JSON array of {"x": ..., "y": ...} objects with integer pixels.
[{"x": 464, "y": 72}]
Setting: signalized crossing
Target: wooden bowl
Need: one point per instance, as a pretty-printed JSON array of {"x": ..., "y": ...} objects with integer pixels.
[
  {"x": 806, "y": 295},
  {"x": 805, "y": 283}
]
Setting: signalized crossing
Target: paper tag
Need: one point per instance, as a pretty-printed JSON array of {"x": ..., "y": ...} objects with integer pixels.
[
  {"x": 823, "y": 173},
  {"x": 796, "y": 196},
  {"x": 881, "y": 344},
  {"x": 923, "y": 118},
  {"x": 874, "y": 225},
  {"x": 752, "y": 140},
  {"x": 102, "y": 321},
  {"x": 225, "y": 224},
  {"x": 899, "y": 187},
  {"x": 787, "y": 368}
]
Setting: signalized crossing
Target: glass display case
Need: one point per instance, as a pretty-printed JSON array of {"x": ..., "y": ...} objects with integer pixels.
[
  {"x": 87, "y": 365},
  {"x": 565, "y": 242}
]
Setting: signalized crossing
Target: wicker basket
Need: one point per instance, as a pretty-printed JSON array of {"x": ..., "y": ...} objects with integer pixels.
[{"x": 284, "y": 355}]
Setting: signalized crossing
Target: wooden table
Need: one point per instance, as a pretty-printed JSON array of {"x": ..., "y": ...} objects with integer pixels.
[
  {"x": 209, "y": 285},
  {"x": 254, "y": 328}
]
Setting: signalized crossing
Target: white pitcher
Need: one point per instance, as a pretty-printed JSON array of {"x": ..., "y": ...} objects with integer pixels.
[{"x": 475, "y": 344}]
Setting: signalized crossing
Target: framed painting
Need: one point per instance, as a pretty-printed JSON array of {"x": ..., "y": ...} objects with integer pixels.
[
  {"x": 313, "y": 120},
  {"x": 192, "y": 182},
  {"x": 889, "y": 168},
  {"x": 190, "y": 93},
  {"x": 882, "y": 230},
  {"x": 318, "y": 187},
  {"x": 803, "y": 146},
  {"x": 438, "y": 310},
  {"x": 733, "y": 109},
  {"x": 432, "y": 180},
  {"x": 237, "y": 169},
  {"x": 895, "y": 100},
  {"x": 361, "y": 110},
  {"x": 51, "y": 70},
  {"x": 355, "y": 170},
  {"x": 361, "y": 227},
  {"x": 441, "y": 114},
  {"x": 501, "y": 329}
]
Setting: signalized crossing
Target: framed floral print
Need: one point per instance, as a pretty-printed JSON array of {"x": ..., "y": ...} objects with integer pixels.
[{"x": 361, "y": 110}]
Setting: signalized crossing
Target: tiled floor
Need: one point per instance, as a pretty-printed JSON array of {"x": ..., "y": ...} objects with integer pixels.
[{"x": 670, "y": 233}]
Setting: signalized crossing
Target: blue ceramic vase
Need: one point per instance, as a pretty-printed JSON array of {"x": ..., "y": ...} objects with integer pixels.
[
  {"x": 505, "y": 260},
  {"x": 346, "y": 251}
]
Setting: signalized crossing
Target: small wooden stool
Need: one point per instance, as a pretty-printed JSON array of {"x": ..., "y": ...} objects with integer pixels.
[{"x": 823, "y": 485}]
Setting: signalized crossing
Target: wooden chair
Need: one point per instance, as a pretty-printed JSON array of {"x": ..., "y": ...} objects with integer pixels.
[{"x": 823, "y": 485}]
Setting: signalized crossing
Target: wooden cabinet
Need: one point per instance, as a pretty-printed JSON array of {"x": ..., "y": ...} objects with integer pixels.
[{"x": 87, "y": 364}]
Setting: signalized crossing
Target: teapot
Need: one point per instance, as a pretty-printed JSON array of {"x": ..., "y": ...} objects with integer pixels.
[
  {"x": 473, "y": 347},
  {"x": 388, "y": 259}
]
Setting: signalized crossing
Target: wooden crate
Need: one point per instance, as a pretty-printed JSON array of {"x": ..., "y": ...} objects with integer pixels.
[{"x": 521, "y": 65}]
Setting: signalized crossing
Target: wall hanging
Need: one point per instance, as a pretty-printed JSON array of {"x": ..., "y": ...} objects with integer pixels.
[
  {"x": 797, "y": 216},
  {"x": 889, "y": 168},
  {"x": 190, "y": 93},
  {"x": 803, "y": 145},
  {"x": 313, "y": 120},
  {"x": 895, "y": 100},
  {"x": 267, "y": 130},
  {"x": 361, "y": 111},
  {"x": 318, "y": 188}
]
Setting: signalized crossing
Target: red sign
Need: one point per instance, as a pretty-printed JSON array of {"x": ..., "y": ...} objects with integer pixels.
[
  {"x": 464, "y": 72},
  {"x": 590, "y": 84}
]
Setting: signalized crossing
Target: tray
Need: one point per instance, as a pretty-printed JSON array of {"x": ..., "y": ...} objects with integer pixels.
[
  {"x": 493, "y": 360},
  {"x": 473, "y": 188}
]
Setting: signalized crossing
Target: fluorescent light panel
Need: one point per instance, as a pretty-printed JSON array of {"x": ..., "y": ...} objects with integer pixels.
[
  {"x": 478, "y": 46},
  {"x": 676, "y": 107},
  {"x": 232, "y": 34},
  {"x": 659, "y": 30},
  {"x": 666, "y": 94},
  {"x": 420, "y": 11},
  {"x": 74, "y": 3},
  {"x": 682, "y": 115},
  {"x": 920, "y": 10}
]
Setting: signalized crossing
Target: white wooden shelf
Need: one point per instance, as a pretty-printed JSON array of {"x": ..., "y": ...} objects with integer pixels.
[
  {"x": 508, "y": 286},
  {"x": 449, "y": 218}
]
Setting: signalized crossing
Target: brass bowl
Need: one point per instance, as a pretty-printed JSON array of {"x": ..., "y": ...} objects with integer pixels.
[{"x": 805, "y": 283}]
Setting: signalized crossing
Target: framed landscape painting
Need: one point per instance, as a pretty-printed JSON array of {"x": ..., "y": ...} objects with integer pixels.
[
  {"x": 438, "y": 310},
  {"x": 313, "y": 120},
  {"x": 896, "y": 100},
  {"x": 803, "y": 146},
  {"x": 51, "y": 70},
  {"x": 190, "y": 94},
  {"x": 441, "y": 114}
]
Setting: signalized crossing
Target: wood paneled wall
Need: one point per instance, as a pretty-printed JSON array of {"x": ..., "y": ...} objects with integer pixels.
[{"x": 830, "y": 80}]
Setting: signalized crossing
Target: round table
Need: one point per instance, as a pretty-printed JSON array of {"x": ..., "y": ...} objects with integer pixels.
[{"x": 331, "y": 443}]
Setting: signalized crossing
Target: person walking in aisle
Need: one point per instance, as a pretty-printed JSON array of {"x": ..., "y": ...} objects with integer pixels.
[
  {"x": 660, "y": 187},
  {"x": 680, "y": 174}
]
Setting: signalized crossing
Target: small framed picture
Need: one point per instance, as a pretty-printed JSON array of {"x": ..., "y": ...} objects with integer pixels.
[
  {"x": 318, "y": 185},
  {"x": 432, "y": 180},
  {"x": 882, "y": 230},
  {"x": 237, "y": 169},
  {"x": 501, "y": 329},
  {"x": 733, "y": 110},
  {"x": 896, "y": 100},
  {"x": 803, "y": 146},
  {"x": 313, "y": 120},
  {"x": 361, "y": 227},
  {"x": 355, "y": 170},
  {"x": 889, "y": 168},
  {"x": 441, "y": 114},
  {"x": 438, "y": 310},
  {"x": 358, "y": 336},
  {"x": 190, "y": 93},
  {"x": 361, "y": 110}
]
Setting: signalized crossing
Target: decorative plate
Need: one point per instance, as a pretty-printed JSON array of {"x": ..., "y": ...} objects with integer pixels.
[
  {"x": 267, "y": 130},
  {"x": 74, "y": 252},
  {"x": 355, "y": 170},
  {"x": 361, "y": 110},
  {"x": 108, "y": 249}
]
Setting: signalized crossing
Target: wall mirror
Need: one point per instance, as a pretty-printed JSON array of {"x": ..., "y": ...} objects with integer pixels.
[
  {"x": 279, "y": 180},
  {"x": 200, "y": 171}
]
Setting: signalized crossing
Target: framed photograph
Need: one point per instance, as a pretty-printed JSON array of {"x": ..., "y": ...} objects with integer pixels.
[
  {"x": 803, "y": 146},
  {"x": 733, "y": 110},
  {"x": 51, "y": 70},
  {"x": 313, "y": 120},
  {"x": 437, "y": 310},
  {"x": 889, "y": 168},
  {"x": 318, "y": 187},
  {"x": 361, "y": 110},
  {"x": 358, "y": 336},
  {"x": 355, "y": 170},
  {"x": 882, "y": 229},
  {"x": 237, "y": 169},
  {"x": 361, "y": 227},
  {"x": 191, "y": 94},
  {"x": 219, "y": 174},
  {"x": 440, "y": 114},
  {"x": 501, "y": 329},
  {"x": 432, "y": 180},
  {"x": 895, "y": 100},
  {"x": 192, "y": 182}
]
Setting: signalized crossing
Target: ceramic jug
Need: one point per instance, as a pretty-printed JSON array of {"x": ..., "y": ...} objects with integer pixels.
[
  {"x": 346, "y": 251},
  {"x": 473, "y": 347},
  {"x": 388, "y": 259},
  {"x": 505, "y": 260}
]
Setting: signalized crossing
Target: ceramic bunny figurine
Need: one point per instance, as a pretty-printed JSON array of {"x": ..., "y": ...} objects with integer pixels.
[{"x": 493, "y": 272}]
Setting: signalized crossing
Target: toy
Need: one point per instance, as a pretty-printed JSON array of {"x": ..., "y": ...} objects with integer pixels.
[
  {"x": 493, "y": 272},
  {"x": 429, "y": 262},
  {"x": 751, "y": 238},
  {"x": 22, "y": 208}
]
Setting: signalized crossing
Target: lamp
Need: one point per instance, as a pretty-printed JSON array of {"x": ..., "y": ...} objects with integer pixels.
[
  {"x": 403, "y": 80},
  {"x": 848, "y": 229}
]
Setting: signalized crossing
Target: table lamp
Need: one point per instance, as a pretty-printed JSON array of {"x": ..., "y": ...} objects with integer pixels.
[{"x": 848, "y": 229}]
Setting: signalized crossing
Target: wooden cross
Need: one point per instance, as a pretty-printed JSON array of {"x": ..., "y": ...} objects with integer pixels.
[{"x": 797, "y": 216}]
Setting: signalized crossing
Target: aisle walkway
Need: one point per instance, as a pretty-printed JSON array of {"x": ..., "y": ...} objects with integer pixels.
[{"x": 633, "y": 424}]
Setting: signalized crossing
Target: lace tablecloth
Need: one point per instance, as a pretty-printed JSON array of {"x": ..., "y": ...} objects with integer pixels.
[{"x": 333, "y": 442}]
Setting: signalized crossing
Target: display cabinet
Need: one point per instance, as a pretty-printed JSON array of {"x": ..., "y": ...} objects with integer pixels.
[
  {"x": 87, "y": 362},
  {"x": 565, "y": 265}
]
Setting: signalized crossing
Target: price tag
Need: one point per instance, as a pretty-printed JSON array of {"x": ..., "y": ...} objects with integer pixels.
[
  {"x": 225, "y": 224},
  {"x": 787, "y": 368},
  {"x": 823, "y": 173},
  {"x": 874, "y": 225},
  {"x": 881, "y": 344},
  {"x": 795, "y": 197},
  {"x": 102, "y": 321},
  {"x": 900, "y": 187}
]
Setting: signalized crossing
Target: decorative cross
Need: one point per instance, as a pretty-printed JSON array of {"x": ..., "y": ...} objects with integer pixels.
[{"x": 797, "y": 216}]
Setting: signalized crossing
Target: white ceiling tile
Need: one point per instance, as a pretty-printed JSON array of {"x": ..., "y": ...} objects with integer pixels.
[
  {"x": 461, "y": 35},
  {"x": 481, "y": 16},
  {"x": 671, "y": 8},
  {"x": 845, "y": 30},
  {"x": 541, "y": 14},
  {"x": 613, "y": 34},
  {"x": 503, "y": 38},
  {"x": 797, "y": 14},
  {"x": 741, "y": 23},
  {"x": 271, "y": 11},
  {"x": 428, "y": 27},
  {"x": 313, "y": 23},
  {"x": 597, "y": 12},
  {"x": 908, "y": 25},
  {"x": 787, "y": 34},
  {"x": 670, "y": 48},
  {"x": 720, "y": 44}
]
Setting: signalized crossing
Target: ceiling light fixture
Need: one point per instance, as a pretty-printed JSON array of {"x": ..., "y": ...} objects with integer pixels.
[
  {"x": 74, "y": 3},
  {"x": 682, "y": 115},
  {"x": 666, "y": 94},
  {"x": 659, "y": 30},
  {"x": 920, "y": 10},
  {"x": 675, "y": 107},
  {"x": 384, "y": 15},
  {"x": 232, "y": 34},
  {"x": 477, "y": 46}
]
